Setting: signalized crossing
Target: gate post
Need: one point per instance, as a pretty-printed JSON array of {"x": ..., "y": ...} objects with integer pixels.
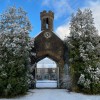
[
  {"x": 35, "y": 75},
  {"x": 61, "y": 74},
  {"x": 58, "y": 77}
]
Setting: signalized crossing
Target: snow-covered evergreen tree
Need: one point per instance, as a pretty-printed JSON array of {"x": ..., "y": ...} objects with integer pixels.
[
  {"x": 83, "y": 49},
  {"x": 14, "y": 51}
]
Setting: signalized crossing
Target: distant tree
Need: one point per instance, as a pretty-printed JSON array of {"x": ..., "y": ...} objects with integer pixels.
[
  {"x": 14, "y": 51},
  {"x": 82, "y": 42}
]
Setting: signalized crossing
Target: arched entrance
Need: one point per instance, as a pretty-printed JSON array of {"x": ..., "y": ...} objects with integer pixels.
[{"x": 47, "y": 74}]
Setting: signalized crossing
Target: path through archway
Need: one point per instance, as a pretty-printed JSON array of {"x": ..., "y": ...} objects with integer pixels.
[{"x": 47, "y": 74}]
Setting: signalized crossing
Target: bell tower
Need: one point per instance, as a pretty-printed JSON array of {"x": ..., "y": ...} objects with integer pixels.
[{"x": 47, "y": 20}]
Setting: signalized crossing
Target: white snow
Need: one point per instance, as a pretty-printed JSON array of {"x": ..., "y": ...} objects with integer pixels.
[
  {"x": 46, "y": 84},
  {"x": 54, "y": 94}
]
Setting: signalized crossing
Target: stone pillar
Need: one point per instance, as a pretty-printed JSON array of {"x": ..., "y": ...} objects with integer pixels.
[{"x": 61, "y": 74}]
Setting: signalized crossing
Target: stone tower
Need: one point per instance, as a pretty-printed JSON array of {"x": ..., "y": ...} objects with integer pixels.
[{"x": 47, "y": 20}]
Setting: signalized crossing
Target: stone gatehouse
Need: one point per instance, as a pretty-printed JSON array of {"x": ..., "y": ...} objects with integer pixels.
[{"x": 48, "y": 44}]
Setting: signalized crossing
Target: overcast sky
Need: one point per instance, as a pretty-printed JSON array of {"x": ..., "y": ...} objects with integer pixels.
[{"x": 62, "y": 9}]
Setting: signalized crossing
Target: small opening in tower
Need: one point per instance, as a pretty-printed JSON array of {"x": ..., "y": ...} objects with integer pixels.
[{"x": 46, "y": 23}]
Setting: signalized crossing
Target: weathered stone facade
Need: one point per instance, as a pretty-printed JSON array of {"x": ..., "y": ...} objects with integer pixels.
[
  {"x": 47, "y": 20},
  {"x": 48, "y": 44}
]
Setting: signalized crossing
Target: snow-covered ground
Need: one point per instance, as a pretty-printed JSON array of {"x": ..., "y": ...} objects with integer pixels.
[
  {"x": 54, "y": 94},
  {"x": 46, "y": 84}
]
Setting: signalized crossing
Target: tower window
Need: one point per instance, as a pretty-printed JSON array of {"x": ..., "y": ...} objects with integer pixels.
[
  {"x": 47, "y": 22},
  {"x": 46, "y": 26}
]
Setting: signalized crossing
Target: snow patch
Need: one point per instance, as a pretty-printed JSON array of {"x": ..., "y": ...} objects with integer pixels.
[{"x": 46, "y": 84}]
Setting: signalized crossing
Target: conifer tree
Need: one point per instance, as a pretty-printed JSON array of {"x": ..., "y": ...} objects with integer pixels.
[
  {"x": 83, "y": 46},
  {"x": 14, "y": 51}
]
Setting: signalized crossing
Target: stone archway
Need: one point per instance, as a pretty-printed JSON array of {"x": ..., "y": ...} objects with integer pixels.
[
  {"x": 56, "y": 53},
  {"x": 48, "y": 44}
]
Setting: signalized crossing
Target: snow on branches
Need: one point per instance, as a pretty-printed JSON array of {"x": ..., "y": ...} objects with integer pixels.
[
  {"x": 14, "y": 51},
  {"x": 84, "y": 49}
]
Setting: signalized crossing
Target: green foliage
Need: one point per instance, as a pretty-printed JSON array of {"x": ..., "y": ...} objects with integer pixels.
[
  {"x": 14, "y": 52},
  {"x": 82, "y": 44}
]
